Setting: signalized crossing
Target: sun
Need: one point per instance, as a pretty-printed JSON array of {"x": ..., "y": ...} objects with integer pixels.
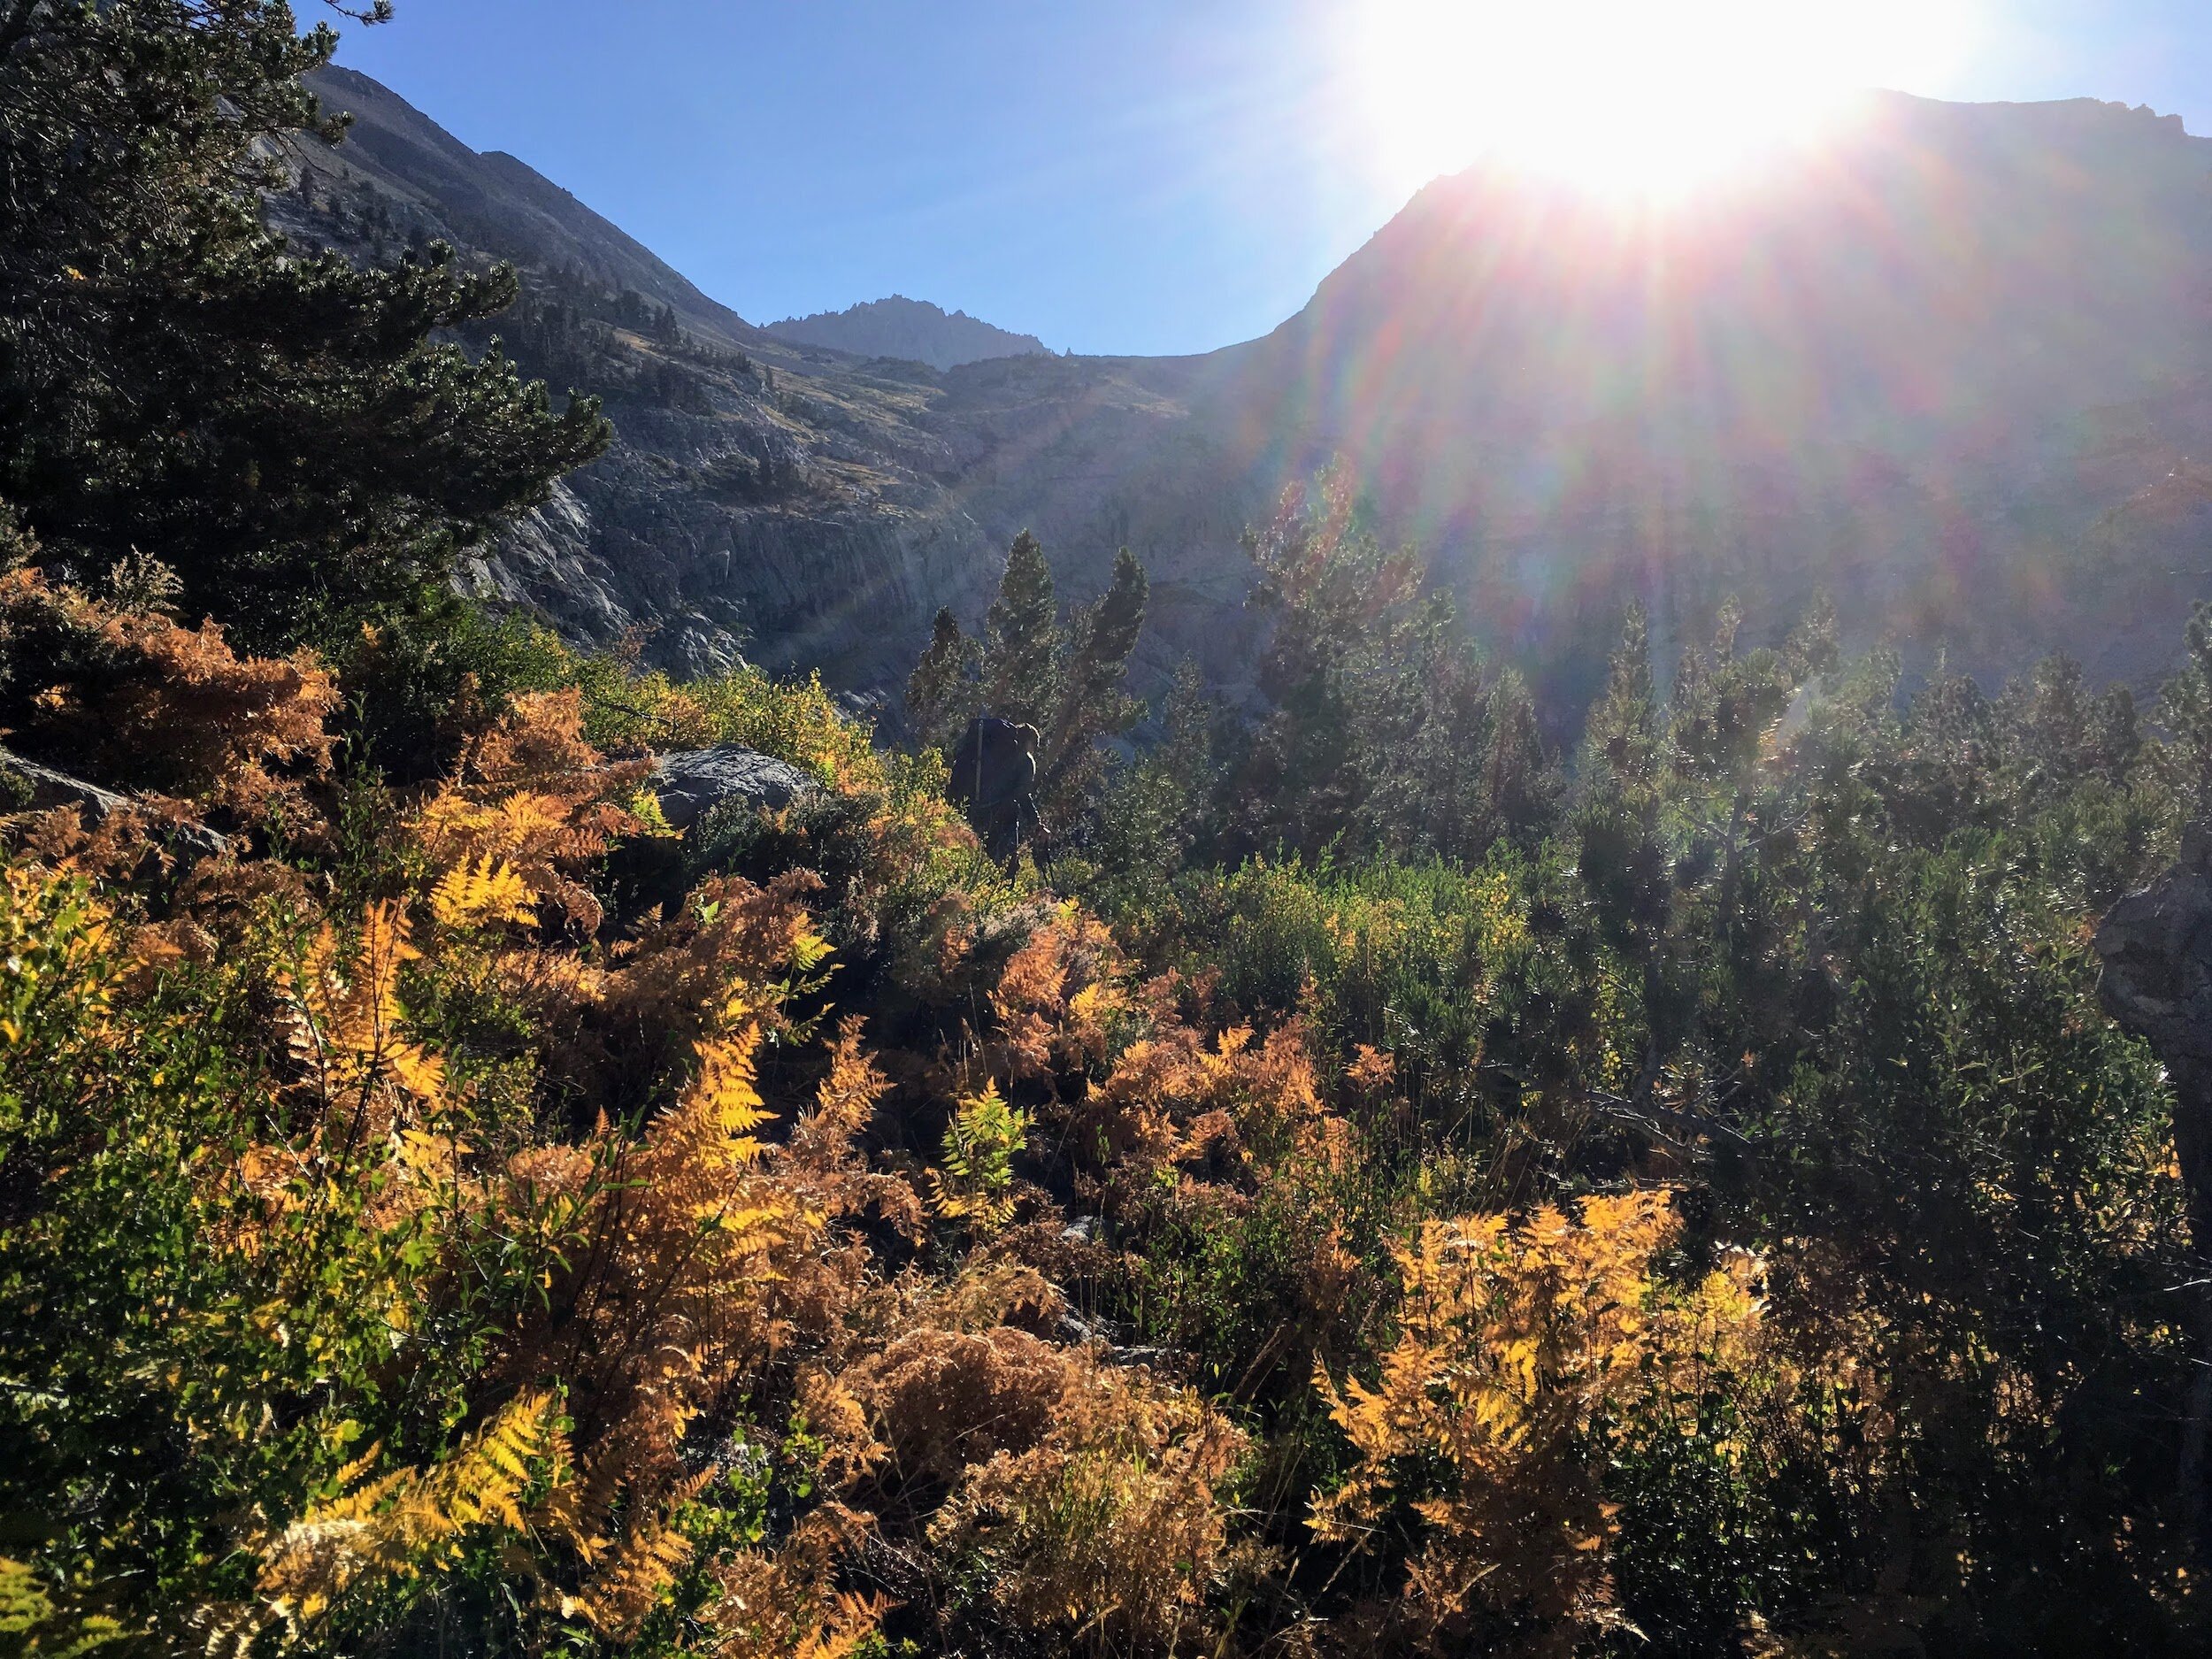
[{"x": 1650, "y": 98}]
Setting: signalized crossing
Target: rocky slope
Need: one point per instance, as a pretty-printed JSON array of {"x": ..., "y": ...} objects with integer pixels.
[
  {"x": 403, "y": 174},
  {"x": 761, "y": 496},
  {"x": 1956, "y": 371},
  {"x": 913, "y": 330}
]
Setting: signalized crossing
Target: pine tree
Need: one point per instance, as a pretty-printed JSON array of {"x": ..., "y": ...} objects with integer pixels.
[
  {"x": 2115, "y": 737},
  {"x": 1329, "y": 593},
  {"x": 2185, "y": 709},
  {"x": 1159, "y": 809},
  {"x": 942, "y": 692},
  {"x": 281, "y": 430},
  {"x": 1105, "y": 635},
  {"x": 1092, "y": 701},
  {"x": 1623, "y": 858},
  {"x": 1520, "y": 792},
  {"x": 1624, "y": 725},
  {"x": 1064, "y": 681},
  {"x": 1022, "y": 642},
  {"x": 1378, "y": 726}
]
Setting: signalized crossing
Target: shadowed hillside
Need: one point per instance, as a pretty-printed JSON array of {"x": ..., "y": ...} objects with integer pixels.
[
  {"x": 1951, "y": 370},
  {"x": 1933, "y": 371}
]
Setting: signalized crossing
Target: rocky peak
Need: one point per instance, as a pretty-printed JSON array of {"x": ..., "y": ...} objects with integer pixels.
[{"x": 913, "y": 330}]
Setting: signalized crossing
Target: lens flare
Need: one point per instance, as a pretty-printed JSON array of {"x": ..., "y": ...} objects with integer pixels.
[{"x": 1650, "y": 98}]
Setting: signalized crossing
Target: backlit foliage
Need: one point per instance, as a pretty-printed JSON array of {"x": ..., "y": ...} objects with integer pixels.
[
  {"x": 1517, "y": 1341},
  {"x": 464, "y": 1212},
  {"x": 409, "y": 1521},
  {"x": 532, "y": 797},
  {"x": 798, "y": 722},
  {"x": 974, "y": 1180},
  {"x": 130, "y": 695},
  {"x": 1427, "y": 1192},
  {"x": 1109, "y": 1524},
  {"x": 470, "y": 1132},
  {"x": 479, "y": 892},
  {"x": 346, "y": 1034}
]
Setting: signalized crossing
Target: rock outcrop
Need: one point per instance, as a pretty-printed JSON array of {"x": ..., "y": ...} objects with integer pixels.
[
  {"x": 41, "y": 788},
  {"x": 692, "y": 783}
]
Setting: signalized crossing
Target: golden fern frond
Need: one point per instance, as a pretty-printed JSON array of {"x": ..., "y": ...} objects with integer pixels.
[
  {"x": 400, "y": 1523},
  {"x": 852, "y": 1619},
  {"x": 481, "y": 892},
  {"x": 232, "y": 1629},
  {"x": 823, "y": 1138},
  {"x": 32, "y": 1625},
  {"x": 782, "y": 1603},
  {"x": 699, "y": 1165},
  {"x": 821, "y": 1159},
  {"x": 976, "y": 1181},
  {"x": 810, "y": 950},
  {"x": 724, "y": 1091},
  {"x": 346, "y": 1013},
  {"x": 450, "y": 826},
  {"x": 640, "y": 1570},
  {"x": 1514, "y": 1334}
]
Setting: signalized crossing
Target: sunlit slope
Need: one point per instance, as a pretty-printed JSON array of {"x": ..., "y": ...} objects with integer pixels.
[{"x": 1920, "y": 369}]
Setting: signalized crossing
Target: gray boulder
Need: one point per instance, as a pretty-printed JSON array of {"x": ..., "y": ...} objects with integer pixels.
[
  {"x": 691, "y": 783},
  {"x": 44, "y": 788}
]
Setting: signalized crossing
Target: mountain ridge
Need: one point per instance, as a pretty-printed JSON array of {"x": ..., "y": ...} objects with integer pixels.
[
  {"x": 535, "y": 222},
  {"x": 1945, "y": 373}
]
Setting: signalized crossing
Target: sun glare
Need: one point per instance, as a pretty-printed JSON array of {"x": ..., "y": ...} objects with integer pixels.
[{"x": 1639, "y": 97}]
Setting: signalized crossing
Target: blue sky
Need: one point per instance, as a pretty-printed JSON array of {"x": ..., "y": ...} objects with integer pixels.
[{"x": 1144, "y": 176}]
